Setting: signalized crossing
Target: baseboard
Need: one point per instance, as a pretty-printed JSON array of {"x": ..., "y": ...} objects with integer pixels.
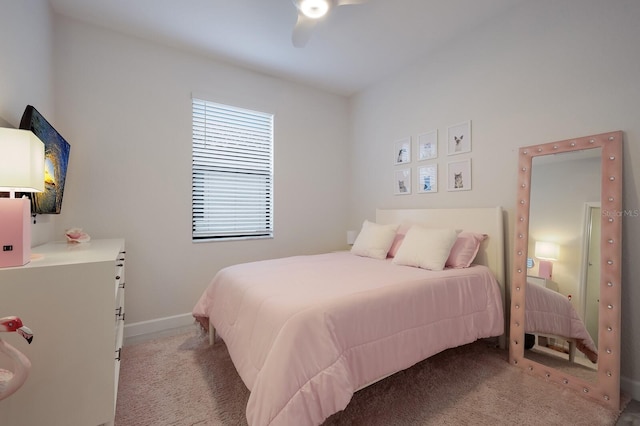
[
  {"x": 630, "y": 387},
  {"x": 157, "y": 325}
]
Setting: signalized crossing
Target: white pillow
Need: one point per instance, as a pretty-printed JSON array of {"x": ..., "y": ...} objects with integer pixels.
[
  {"x": 374, "y": 240},
  {"x": 426, "y": 248}
]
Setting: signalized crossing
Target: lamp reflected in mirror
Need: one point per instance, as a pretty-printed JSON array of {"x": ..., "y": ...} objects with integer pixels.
[{"x": 547, "y": 253}]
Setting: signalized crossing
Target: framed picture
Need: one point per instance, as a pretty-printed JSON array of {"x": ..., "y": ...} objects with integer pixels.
[
  {"x": 459, "y": 175},
  {"x": 402, "y": 182},
  {"x": 402, "y": 151},
  {"x": 428, "y": 178},
  {"x": 428, "y": 145},
  {"x": 459, "y": 138},
  {"x": 56, "y": 160}
]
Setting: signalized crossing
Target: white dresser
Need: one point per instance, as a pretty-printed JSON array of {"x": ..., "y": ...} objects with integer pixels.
[{"x": 72, "y": 298}]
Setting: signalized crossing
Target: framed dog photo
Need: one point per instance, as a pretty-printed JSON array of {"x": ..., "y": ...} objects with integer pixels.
[
  {"x": 402, "y": 151},
  {"x": 459, "y": 175},
  {"x": 402, "y": 182},
  {"x": 428, "y": 179},
  {"x": 459, "y": 138}
]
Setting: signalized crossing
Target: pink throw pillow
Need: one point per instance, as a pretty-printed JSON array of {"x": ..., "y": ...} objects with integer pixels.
[
  {"x": 397, "y": 241},
  {"x": 464, "y": 250}
]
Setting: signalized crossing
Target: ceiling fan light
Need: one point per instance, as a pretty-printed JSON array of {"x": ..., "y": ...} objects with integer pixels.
[{"x": 314, "y": 9}]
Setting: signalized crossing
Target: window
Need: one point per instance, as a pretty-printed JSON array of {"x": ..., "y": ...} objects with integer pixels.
[{"x": 232, "y": 173}]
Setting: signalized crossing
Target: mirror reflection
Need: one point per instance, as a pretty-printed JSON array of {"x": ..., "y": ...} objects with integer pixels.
[{"x": 561, "y": 320}]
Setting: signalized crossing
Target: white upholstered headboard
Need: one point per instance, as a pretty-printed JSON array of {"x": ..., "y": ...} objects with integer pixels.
[{"x": 482, "y": 220}]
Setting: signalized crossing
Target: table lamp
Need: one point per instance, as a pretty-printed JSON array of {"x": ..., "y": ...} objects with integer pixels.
[
  {"x": 546, "y": 252},
  {"x": 21, "y": 170}
]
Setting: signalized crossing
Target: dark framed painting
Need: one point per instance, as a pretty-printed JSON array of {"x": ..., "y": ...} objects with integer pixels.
[{"x": 56, "y": 160}]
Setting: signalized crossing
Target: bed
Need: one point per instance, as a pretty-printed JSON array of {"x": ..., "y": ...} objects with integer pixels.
[
  {"x": 550, "y": 314},
  {"x": 306, "y": 332}
]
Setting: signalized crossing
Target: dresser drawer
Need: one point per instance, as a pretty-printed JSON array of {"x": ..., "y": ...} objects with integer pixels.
[
  {"x": 119, "y": 327},
  {"x": 119, "y": 274},
  {"x": 119, "y": 321},
  {"x": 119, "y": 312},
  {"x": 119, "y": 299}
]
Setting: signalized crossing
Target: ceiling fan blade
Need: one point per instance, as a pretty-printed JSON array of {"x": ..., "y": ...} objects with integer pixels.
[
  {"x": 348, "y": 2},
  {"x": 302, "y": 31}
]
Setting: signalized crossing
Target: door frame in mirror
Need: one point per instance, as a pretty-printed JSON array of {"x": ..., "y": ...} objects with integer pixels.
[{"x": 607, "y": 388}]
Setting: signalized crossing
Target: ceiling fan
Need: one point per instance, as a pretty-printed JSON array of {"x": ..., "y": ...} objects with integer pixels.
[{"x": 310, "y": 12}]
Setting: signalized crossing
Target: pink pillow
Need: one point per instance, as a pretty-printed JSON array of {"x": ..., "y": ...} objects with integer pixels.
[
  {"x": 397, "y": 241},
  {"x": 464, "y": 250}
]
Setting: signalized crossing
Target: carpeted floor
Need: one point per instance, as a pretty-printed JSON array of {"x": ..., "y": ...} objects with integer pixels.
[{"x": 181, "y": 381}]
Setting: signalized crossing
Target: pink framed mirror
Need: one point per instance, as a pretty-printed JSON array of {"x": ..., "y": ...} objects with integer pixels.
[{"x": 587, "y": 363}]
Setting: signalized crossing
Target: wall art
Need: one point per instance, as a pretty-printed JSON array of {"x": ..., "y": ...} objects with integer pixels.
[
  {"x": 402, "y": 151},
  {"x": 428, "y": 178},
  {"x": 459, "y": 138},
  {"x": 428, "y": 145},
  {"x": 459, "y": 175},
  {"x": 402, "y": 182}
]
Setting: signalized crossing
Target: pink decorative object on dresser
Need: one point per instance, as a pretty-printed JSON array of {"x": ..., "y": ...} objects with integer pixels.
[{"x": 76, "y": 235}]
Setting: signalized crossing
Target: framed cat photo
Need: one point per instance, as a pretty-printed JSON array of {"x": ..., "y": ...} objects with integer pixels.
[
  {"x": 459, "y": 138},
  {"x": 402, "y": 182},
  {"x": 459, "y": 175},
  {"x": 428, "y": 179},
  {"x": 402, "y": 151}
]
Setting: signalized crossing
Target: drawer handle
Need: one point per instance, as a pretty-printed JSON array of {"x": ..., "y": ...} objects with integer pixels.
[
  {"x": 120, "y": 314},
  {"x": 119, "y": 352},
  {"x": 118, "y": 277}
]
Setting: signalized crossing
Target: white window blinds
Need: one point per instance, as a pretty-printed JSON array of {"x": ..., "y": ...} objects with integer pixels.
[{"x": 232, "y": 172}]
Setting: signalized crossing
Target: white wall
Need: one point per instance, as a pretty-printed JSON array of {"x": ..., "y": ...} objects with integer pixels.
[
  {"x": 26, "y": 73},
  {"x": 546, "y": 71},
  {"x": 26, "y": 53},
  {"x": 124, "y": 105}
]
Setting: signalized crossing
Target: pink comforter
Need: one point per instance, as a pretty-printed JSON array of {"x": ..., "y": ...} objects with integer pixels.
[
  {"x": 549, "y": 312},
  {"x": 306, "y": 332}
]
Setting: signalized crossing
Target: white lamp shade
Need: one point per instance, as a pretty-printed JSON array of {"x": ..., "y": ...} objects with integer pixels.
[
  {"x": 547, "y": 251},
  {"x": 21, "y": 161}
]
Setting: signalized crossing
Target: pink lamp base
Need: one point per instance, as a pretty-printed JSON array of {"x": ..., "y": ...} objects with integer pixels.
[
  {"x": 544, "y": 269},
  {"x": 15, "y": 231}
]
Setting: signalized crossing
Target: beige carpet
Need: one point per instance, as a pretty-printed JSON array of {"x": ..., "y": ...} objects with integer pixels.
[{"x": 180, "y": 380}]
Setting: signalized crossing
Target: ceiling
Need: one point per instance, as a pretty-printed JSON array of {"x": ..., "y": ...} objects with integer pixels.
[{"x": 353, "y": 47}]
